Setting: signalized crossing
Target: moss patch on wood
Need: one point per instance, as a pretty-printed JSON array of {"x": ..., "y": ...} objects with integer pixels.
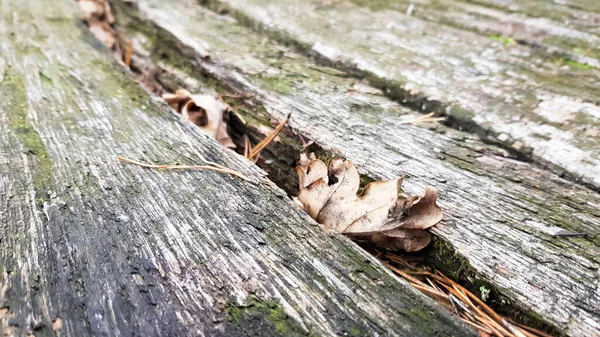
[
  {"x": 267, "y": 316},
  {"x": 14, "y": 102}
]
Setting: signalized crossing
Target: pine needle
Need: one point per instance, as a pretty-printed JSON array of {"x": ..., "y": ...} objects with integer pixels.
[
  {"x": 186, "y": 167},
  {"x": 260, "y": 146},
  {"x": 127, "y": 54},
  {"x": 247, "y": 146},
  {"x": 468, "y": 307},
  {"x": 424, "y": 119}
]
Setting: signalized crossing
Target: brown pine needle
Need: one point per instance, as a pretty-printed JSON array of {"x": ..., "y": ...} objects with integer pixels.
[
  {"x": 127, "y": 54},
  {"x": 186, "y": 167},
  {"x": 403, "y": 274},
  {"x": 399, "y": 260},
  {"x": 260, "y": 146},
  {"x": 477, "y": 326},
  {"x": 468, "y": 307},
  {"x": 429, "y": 290},
  {"x": 247, "y": 146},
  {"x": 424, "y": 119}
]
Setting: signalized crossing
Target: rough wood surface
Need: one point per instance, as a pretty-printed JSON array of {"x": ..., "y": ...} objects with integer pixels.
[
  {"x": 93, "y": 247},
  {"x": 526, "y": 100},
  {"x": 572, "y": 36},
  {"x": 501, "y": 214},
  {"x": 583, "y": 15}
]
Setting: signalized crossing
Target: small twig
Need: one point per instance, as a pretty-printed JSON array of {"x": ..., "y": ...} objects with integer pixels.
[
  {"x": 423, "y": 119},
  {"x": 260, "y": 146},
  {"x": 186, "y": 167}
]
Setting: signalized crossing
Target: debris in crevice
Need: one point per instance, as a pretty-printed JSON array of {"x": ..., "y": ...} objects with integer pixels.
[
  {"x": 98, "y": 17},
  {"x": 206, "y": 111},
  {"x": 253, "y": 153},
  {"x": 456, "y": 298},
  {"x": 376, "y": 215},
  {"x": 424, "y": 119}
]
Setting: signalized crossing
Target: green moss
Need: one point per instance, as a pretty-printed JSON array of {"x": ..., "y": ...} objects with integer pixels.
[
  {"x": 14, "y": 102},
  {"x": 576, "y": 46},
  {"x": 267, "y": 316},
  {"x": 577, "y": 64},
  {"x": 485, "y": 293},
  {"x": 504, "y": 39},
  {"x": 45, "y": 79},
  {"x": 282, "y": 84}
]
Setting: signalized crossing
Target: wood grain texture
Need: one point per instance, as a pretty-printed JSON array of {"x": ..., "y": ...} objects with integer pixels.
[
  {"x": 572, "y": 38},
  {"x": 510, "y": 94},
  {"x": 501, "y": 214},
  {"x": 93, "y": 247},
  {"x": 582, "y": 14}
]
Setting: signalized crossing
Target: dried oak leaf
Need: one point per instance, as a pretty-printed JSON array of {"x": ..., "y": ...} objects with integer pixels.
[
  {"x": 206, "y": 111},
  {"x": 98, "y": 16},
  {"x": 377, "y": 215}
]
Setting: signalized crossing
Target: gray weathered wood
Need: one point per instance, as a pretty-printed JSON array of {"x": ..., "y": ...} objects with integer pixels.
[
  {"x": 562, "y": 37},
  {"x": 94, "y": 247},
  {"x": 509, "y": 94},
  {"x": 501, "y": 214},
  {"x": 583, "y": 14}
]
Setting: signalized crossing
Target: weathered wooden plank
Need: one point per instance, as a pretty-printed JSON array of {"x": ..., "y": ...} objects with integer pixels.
[
  {"x": 501, "y": 214},
  {"x": 576, "y": 43},
  {"x": 509, "y": 94},
  {"x": 584, "y": 14},
  {"x": 93, "y": 247}
]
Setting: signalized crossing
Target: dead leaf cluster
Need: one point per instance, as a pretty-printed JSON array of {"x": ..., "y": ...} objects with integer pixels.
[
  {"x": 99, "y": 18},
  {"x": 209, "y": 114},
  {"x": 377, "y": 215},
  {"x": 206, "y": 111}
]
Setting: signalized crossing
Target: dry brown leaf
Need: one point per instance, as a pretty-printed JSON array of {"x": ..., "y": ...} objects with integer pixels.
[
  {"x": 305, "y": 159},
  {"x": 377, "y": 215},
  {"x": 99, "y": 18},
  {"x": 206, "y": 111},
  {"x": 57, "y": 324},
  {"x": 104, "y": 33}
]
